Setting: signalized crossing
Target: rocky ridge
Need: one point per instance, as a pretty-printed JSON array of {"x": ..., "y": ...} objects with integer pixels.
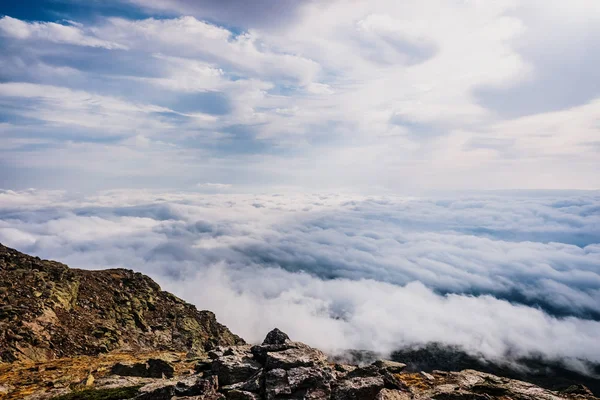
[
  {"x": 49, "y": 311},
  {"x": 282, "y": 369}
]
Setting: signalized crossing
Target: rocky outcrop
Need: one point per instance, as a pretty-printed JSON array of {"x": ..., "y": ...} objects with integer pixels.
[
  {"x": 249, "y": 373},
  {"x": 48, "y": 310},
  {"x": 283, "y": 369},
  {"x": 551, "y": 374}
]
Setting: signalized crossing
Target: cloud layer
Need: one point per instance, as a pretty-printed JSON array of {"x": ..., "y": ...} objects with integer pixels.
[
  {"x": 508, "y": 272},
  {"x": 411, "y": 96}
]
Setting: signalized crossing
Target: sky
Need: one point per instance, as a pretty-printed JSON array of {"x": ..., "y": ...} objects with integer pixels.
[
  {"x": 361, "y": 174},
  {"x": 376, "y": 96}
]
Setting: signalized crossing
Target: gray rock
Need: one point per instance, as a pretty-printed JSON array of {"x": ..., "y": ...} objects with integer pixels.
[
  {"x": 359, "y": 388},
  {"x": 364, "y": 372},
  {"x": 235, "y": 368},
  {"x": 203, "y": 365},
  {"x": 276, "y": 384},
  {"x": 260, "y": 352},
  {"x": 391, "y": 366},
  {"x": 306, "y": 377},
  {"x": 345, "y": 368},
  {"x": 253, "y": 384},
  {"x": 300, "y": 355},
  {"x": 241, "y": 395},
  {"x": 157, "y": 390},
  {"x": 389, "y": 394},
  {"x": 276, "y": 337},
  {"x": 193, "y": 387},
  {"x": 235, "y": 364},
  {"x": 153, "y": 368}
]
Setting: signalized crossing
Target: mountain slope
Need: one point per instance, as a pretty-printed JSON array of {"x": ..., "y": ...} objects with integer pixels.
[{"x": 48, "y": 310}]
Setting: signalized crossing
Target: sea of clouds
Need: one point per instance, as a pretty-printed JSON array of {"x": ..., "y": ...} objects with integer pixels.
[{"x": 496, "y": 273}]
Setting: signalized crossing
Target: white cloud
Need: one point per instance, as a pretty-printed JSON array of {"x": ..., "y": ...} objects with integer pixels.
[
  {"x": 53, "y": 32},
  {"x": 190, "y": 37},
  {"x": 366, "y": 95},
  {"x": 346, "y": 271},
  {"x": 64, "y": 106}
]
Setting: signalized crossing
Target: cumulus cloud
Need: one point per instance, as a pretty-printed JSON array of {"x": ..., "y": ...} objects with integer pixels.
[
  {"x": 194, "y": 38},
  {"x": 398, "y": 96},
  {"x": 494, "y": 273}
]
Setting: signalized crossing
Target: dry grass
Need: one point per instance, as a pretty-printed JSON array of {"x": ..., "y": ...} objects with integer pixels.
[
  {"x": 414, "y": 380},
  {"x": 34, "y": 378}
]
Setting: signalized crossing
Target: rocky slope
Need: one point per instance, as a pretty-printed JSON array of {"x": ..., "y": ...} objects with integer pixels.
[
  {"x": 282, "y": 369},
  {"x": 69, "y": 334},
  {"x": 48, "y": 310}
]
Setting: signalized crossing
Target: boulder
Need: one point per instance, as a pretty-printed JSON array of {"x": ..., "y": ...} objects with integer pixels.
[
  {"x": 298, "y": 355},
  {"x": 389, "y": 394},
  {"x": 276, "y": 384},
  {"x": 193, "y": 387},
  {"x": 359, "y": 388},
  {"x": 276, "y": 337},
  {"x": 235, "y": 368},
  {"x": 153, "y": 368},
  {"x": 253, "y": 384},
  {"x": 392, "y": 366},
  {"x": 305, "y": 377},
  {"x": 203, "y": 365}
]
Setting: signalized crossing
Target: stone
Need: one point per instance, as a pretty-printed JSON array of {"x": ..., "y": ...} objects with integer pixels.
[
  {"x": 392, "y": 366},
  {"x": 158, "y": 368},
  {"x": 390, "y": 394},
  {"x": 276, "y": 384},
  {"x": 345, "y": 368},
  {"x": 161, "y": 390},
  {"x": 253, "y": 384},
  {"x": 392, "y": 381},
  {"x": 193, "y": 387},
  {"x": 276, "y": 337},
  {"x": 358, "y": 388},
  {"x": 234, "y": 368},
  {"x": 366, "y": 371},
  {"x": 427, "y": 376},
  {"x": 260, "y": 352},
  {"x": 305, "y": 377},
  {"x": 577, "y": 389},
  {"x": 153, "y": 368},
  {"x": 241, "y": 395},
  {"x": 300, "y": 355},
  {"x": 203, "y": 365}
]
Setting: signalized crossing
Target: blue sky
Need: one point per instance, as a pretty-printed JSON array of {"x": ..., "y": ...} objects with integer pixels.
[{"x": 373, "y": 96}]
